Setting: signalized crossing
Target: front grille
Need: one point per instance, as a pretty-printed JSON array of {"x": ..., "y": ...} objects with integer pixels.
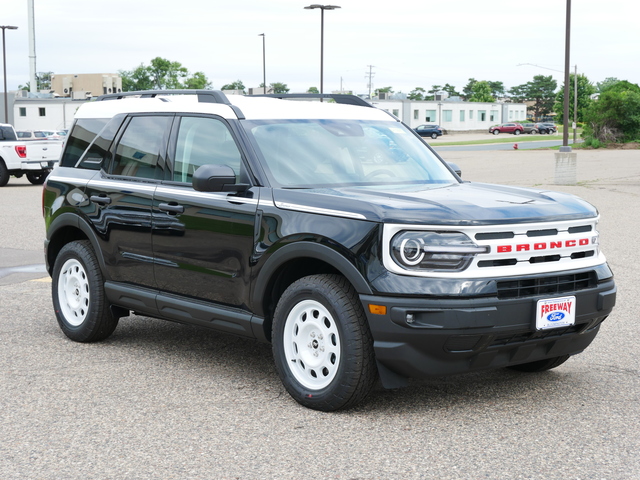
[{"x": 548, "y": 285}]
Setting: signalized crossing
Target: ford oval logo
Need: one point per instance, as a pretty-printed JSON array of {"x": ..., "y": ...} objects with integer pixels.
[{"x": 555, "y": 316}]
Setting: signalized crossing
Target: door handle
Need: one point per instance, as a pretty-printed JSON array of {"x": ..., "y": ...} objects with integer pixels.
[
  {"x": 171, "y": 208},
  {"x": 100, "y": 199}
]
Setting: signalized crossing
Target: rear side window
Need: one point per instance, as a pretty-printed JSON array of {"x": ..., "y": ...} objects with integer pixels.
[
  {"x": 83, "y": 133},
  {"x": 6, "y": 133},
  {"x": 141, "y": 146}
]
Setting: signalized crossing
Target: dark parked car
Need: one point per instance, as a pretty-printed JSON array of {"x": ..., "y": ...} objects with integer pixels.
[
  {"x": 548, "y": 127},
  {"x": 514, "y": 128},
  {"x": 531, "y": 128},
  {"x": 433, "y": 131}
]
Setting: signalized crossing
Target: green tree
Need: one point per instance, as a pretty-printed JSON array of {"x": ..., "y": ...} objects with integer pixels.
[
  {"x": 585, "y": 90},
  {"x": 278, "y": 87},
  {"x": 197, "y": 81},
  {"x": 137, "y": 79},
  {"x": 497, "y": 89},
  {"x": 237, "y": 85},
  {"x": 162, "y": 74},
  {"x": 451, "y": 90},
  {"x": 43, "y": 82},
  {"x": 434, "y": 89},
  {"x": 313, "y": 90},
  {"x": 606, "y": 83},
  {"x": 540, "y": 91},
  {"x": 416, "y": 94},
  {"x": 482, "y": 92},
  {"x": 615, "y": 116},
  {"x": 467, "y": 91}
]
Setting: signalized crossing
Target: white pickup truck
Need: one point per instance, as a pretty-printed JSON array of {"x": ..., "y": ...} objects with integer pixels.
[{"x": 35, "y": 159}]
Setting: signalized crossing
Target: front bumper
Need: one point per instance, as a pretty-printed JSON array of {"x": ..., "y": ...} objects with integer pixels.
[{"x": 452, "y": 335}]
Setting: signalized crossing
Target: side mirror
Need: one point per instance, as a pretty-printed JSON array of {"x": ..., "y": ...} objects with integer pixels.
[
  {"x": 216, "y": 178},
  {"x": 455, "y": 168}
]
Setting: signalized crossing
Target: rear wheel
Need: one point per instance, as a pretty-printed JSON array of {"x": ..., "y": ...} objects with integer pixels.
[
  {"x": 534, "y": 131},
  {"x": 541, "y": 365},
  {"x": 4, "y": 174},
  {"x": 434, "y": 135},
  {"x": 517, "y": 132},
  {"x": 37, "y": 178},
  {"x": 322, "y": 345},
  {"x": 78, "y": 295}
]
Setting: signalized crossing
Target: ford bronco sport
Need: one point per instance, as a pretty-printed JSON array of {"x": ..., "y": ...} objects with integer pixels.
[{"x": 329, "y": 229}]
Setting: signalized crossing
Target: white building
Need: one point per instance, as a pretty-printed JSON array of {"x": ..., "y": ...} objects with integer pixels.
[
  {"x": 454, "y": 115},
  {"x": 44, "y": 113}
]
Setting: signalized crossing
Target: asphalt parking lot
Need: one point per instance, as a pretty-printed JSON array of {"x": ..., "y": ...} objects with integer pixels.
[{"x": 159, "y": 400}]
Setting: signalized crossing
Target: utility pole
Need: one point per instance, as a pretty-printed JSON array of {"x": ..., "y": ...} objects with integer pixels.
[{"x": 370, "y": 75}]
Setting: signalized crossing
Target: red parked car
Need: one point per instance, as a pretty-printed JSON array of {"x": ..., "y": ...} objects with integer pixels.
[{"x": 514, "y": 128}]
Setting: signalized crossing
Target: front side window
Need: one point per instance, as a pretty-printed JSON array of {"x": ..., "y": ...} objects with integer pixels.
[
  {"x": 203, "y": 141},
  {"x": 319, "y": 153},
  {"x": 140, "y": 147}
]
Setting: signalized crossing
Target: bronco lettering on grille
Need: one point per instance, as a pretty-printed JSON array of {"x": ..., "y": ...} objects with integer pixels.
[{"x": 538, "y": 246}]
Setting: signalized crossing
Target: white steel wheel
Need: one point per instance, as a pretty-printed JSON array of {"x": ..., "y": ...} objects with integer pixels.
[
  {"x": 73, "y": 292},
  {"x": 311, "y": 343},
  {"x": 77, "y": 291},
  {"x": 322, "y": 346}
]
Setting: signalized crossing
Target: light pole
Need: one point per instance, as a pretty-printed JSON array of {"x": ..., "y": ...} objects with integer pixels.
[
  {"x": 264, "y": 63},
  {"x": 322, "y": 9},
  {"x": 4, "y": 68},
  {"x": 565, "y": 132}
]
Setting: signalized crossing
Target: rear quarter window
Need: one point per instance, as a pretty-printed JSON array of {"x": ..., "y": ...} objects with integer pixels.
[{"x": 84, "y": 131}]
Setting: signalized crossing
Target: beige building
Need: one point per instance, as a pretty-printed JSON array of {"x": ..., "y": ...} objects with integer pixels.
[{"x": 83, "y": 85}]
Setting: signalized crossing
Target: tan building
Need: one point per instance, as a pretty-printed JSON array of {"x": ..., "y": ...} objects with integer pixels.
[{"x": 83, "y": 85}]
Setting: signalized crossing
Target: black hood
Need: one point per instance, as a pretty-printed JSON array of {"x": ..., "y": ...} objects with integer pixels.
[{"x": 453, "y": 204}]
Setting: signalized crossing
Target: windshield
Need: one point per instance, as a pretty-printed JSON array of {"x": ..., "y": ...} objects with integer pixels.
[{"x": 314, "y": 153}]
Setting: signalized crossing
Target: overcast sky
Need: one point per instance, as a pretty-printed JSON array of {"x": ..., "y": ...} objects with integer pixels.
[{"x": 409, "y": 43}]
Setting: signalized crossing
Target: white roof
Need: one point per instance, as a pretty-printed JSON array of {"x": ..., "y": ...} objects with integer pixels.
[{"x": 254, "y": 108}]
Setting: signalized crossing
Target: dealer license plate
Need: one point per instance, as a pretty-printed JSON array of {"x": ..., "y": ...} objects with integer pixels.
[{"x": 555, "y": 312}]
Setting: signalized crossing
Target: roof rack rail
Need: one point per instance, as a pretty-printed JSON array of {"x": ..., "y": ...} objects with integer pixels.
[
  {"x": 204, "y": 96},
  {"x": 338, "y": 97}
]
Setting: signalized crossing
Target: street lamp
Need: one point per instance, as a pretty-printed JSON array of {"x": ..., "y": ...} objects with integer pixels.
[
  {"x": 4, "y": 68},
  {"x": 264, "y": 64},
  {"x": 565, "y": 132},
  {"x": 322, "y": 9}
]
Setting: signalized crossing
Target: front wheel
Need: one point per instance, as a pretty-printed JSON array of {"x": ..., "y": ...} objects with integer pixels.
[
  {"x": 37, "y": 178},
  {"x": 541, "y": 365},
  {"x": 496, "y": 131},
  {"x": 79, "y": 301},
  {"x": 322, "y": 346}
]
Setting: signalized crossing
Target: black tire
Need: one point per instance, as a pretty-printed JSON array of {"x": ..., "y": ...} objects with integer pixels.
[
  {"x": 517, "y": 132},
  {"x": 37, "y": 178},
  {"x": 434, "y": 135},
  {"x": 4, "y": 174},
  {"x": 541, "y": 365},
  {"x": 534, "y": 131},
  {"x": 79, "y": 301},
  {"x": 496, "y": 131},
  {"x": 322, "y": 346}
]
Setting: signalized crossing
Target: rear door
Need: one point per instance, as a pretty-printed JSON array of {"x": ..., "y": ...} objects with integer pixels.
[{"x": 120, "y": 198}]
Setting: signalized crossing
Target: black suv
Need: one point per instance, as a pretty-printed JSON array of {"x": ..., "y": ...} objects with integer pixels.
[{"x": 332, "y": 231}]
